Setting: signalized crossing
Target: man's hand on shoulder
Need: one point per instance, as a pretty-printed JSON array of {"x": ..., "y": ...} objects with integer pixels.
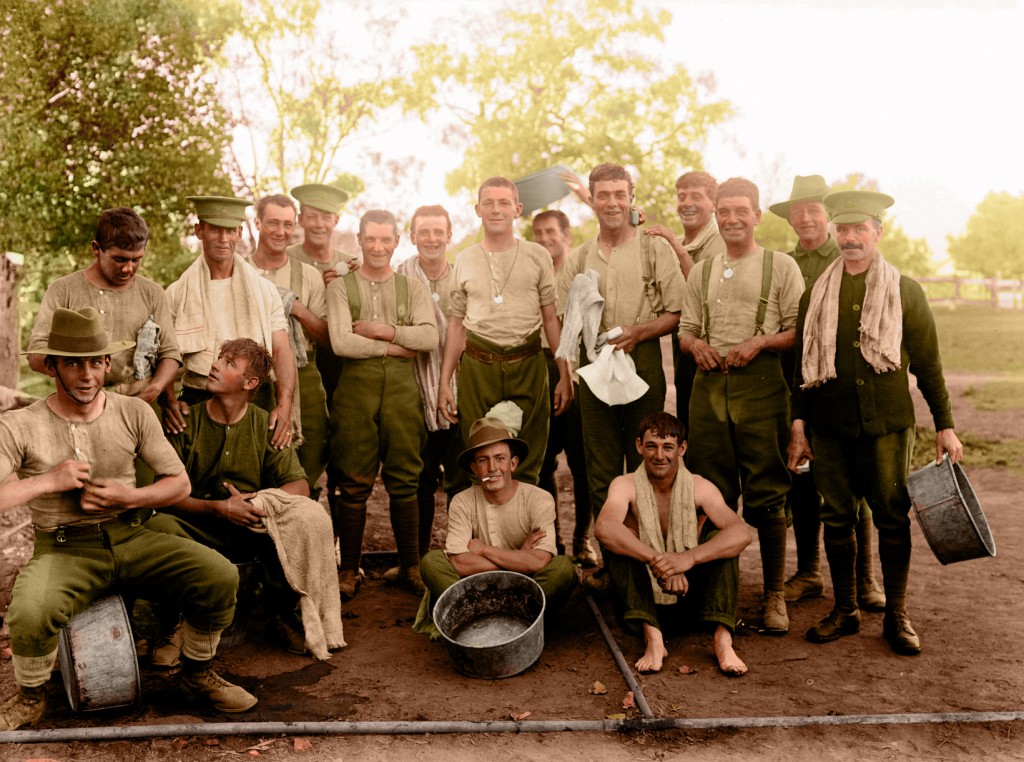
[
  {"x": 281, "y": 425},
  {"x": 174, "y": 413}
]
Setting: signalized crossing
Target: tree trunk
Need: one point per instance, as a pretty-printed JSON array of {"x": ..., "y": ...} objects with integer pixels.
[{"x": 9, "y": 327}]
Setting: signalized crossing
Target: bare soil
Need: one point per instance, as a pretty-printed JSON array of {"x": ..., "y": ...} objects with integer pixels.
[{"x": 968, "y": 615}]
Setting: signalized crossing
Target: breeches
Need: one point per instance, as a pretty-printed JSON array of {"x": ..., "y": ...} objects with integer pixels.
[
  {"x": 377, "y": 424},
  {"x": 739, "y": 429},
  {"x": 847, "y": 469},
  {"x": 313, "y": 412},
  {"x": 63, "y": 579},
  {"x": 609, "y": 431}
]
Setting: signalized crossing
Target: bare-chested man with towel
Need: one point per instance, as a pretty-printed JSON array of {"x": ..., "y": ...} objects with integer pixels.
[{"x": 676, "y": 547}]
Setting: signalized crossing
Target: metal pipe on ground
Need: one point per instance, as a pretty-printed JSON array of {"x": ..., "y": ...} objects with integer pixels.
[
  {"x": 627, "y": 674},
  {"x": 134, "y": 732}
]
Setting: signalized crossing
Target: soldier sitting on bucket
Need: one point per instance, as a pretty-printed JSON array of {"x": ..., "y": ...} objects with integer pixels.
[
  {"x": 497, "y": 524},
  {"x": 74, "y": 453}
]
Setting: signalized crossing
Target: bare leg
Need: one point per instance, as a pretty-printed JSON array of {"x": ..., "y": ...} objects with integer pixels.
[
  {"x": 655, "y": 654},
  {"x": 728, "y": 661}
]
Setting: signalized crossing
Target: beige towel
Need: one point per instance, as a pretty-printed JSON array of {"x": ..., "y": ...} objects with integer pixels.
[
  {"x": 682, "y": 521},
  {"x": 881, "y": 322},
  {"x": 302, "y": 533},
  {"x": 194, "y": 324}
]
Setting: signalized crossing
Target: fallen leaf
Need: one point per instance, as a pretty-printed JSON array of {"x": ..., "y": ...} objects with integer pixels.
[
  {"x": 598, "y": 689},
  {"x": 302, "y": 744},
  {"x": 684, "y": 670},
  {"x": 519, "y": 717},
  {"x": 179, "y": 743},
  {"x": 211, "y": 742},
  {"x": 615, "y": 716},
  {"x": 628, "y": 703}
]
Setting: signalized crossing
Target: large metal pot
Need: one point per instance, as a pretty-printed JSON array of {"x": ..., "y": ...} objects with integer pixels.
[{"x": 492, "y": 623}]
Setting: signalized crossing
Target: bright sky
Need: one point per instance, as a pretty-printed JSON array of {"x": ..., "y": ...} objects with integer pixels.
[{"x": 920, "y": 95}]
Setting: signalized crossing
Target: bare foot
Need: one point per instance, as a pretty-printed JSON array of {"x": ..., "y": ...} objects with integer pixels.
[
  {"x": 730, "y": 664},
  {"x": 656, "y": 652}
]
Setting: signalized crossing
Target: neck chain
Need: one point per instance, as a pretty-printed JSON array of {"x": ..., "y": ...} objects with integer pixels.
[
  {"x": 495, "y": 288},
  {"x": 266, "y": 271}
]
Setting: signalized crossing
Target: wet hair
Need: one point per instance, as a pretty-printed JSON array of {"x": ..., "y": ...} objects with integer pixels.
[
  {"x": 699, "y": 180},
  {"x": 278, "y": 199},
  {"x": 380, "y": 217},
  {"x": 662, "y": 425},
  {"x": 430, "y": 211},
  {"x": 738, "y": 186},
  {"x": 498, "y": 182},
  {"x": 121, "y": 227},
  {"x": 554, "y": 214},
  {"x": 607, "y": 171},
  {"x": 259, "y": 360}
]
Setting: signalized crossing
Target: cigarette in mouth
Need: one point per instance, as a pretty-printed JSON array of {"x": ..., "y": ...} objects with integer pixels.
[{"x": 488, "y": 479}]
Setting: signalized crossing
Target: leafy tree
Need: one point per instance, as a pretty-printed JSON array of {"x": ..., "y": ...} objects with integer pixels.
[
  {"x": 104, "y": 104},
  {"x": 912, "y": 256},
  {"x": 993, "y": 243},
  {"x": 573, "y": 83},
  {"x": 314, "y": 93}
]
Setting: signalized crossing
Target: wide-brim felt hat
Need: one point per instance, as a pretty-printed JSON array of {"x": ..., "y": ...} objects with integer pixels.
[
  {"x": 79, "y": 334},
  {"x": 805, "y": 188},
  {"x": 488, "y": 431},
  {"x": 326, "y": 198},
  {"x": 220, "y": 211},
  {"x": 846, "y": 207}
]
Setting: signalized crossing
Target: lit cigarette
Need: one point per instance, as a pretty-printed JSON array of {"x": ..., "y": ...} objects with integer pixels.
[{"x": 488, "y": 479}]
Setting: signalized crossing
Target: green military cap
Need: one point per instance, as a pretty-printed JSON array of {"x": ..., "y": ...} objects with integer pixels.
[
  {"x": 326, "y": 198},
  {"x": 805, "y": 188},
  {"x": 856, "y": 206},
  {"x": 222, "y": 211}
]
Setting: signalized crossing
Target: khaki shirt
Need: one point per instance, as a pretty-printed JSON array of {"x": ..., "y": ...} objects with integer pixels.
[
  {"x": 34, "y": 440},
  {"x": 621, "y": 283},
  {"x": 377, "y": 303},
  {"x": 733, "y": 302},
  {"x": 521, "y": 275},
  {"x": 123, "y": 313},
  {"x": 312, "y": 293},
  {"x": 501, "y": 526},
  {"x": 707, "y": 244},
  {"x": 296, "y": 251}
]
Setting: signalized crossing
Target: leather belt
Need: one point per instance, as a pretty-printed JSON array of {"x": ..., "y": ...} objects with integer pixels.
[
  {"x": 516, "y": 354},
  {"x": 61, "y": 533}
]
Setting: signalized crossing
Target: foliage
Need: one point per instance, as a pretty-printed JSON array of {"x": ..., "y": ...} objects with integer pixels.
[
  {"x": 993, "y": 244},
  {"x": 911, "y": 256},
  {"x": 313, "y": 94},
  {"x": 574, "y": 83},
  {"x": 104, "y": 104}
]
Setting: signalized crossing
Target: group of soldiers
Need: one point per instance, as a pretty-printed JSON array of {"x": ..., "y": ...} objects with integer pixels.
[{"x": 270, "y": 370}]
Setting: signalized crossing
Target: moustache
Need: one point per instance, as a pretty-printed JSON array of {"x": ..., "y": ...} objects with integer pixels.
[{"x": 848, "y": 246}]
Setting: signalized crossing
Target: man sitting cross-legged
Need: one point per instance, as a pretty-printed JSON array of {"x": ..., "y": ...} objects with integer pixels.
[
  {"x": 672, "y": 547},
  {"x": 497, "y": 524},
  {"x": 227, "y": 451}
]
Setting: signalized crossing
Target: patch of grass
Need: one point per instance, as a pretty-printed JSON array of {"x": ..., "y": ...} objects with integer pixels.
[
  {"x": 979, "y": 452},
  {"x": 981, "y": 339},
  {"x": 1000, "y": 394}
]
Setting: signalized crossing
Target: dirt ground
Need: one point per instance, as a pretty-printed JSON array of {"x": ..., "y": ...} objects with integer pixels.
[{"x": 968, "y": 615}]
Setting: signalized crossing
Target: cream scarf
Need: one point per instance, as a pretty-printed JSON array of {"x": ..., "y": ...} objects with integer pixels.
[
  {"x": 682, "y": 521},
  {"x": 881, "y": 322}
]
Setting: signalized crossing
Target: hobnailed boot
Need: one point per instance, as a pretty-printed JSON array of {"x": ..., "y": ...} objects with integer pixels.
[
  {"x": 844, "y": 619},
  {"x": 870, "y": 595},
  {"x": 405, "y": 525},
  {"x": 584, "y": 552},
  {"x": 167, "y": 653},
  {"x": 894, "y": 552},
  {"x": 349, "y": 525},
  {"x": 24, "y": 708},
  {"x": 805, "y": 503},
  {"x": 771, "y": 536},
  {"x": 198, "y": 682}
]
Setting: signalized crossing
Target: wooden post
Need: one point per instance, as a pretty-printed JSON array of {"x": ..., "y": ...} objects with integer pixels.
[{"x": 9, "y": 327}]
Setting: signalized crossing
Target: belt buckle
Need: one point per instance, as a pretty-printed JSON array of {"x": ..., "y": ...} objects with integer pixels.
[
  {"x": 59, "y": 535},
  {"x": 136, "y": 520}
]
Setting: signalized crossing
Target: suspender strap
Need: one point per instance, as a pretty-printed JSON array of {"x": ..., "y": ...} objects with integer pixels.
[
  {"x": 766, "y": 288},
  {"x": 705, "y": 319},
  {"x": 401, "y": 296},
  {"x": 295, "y": 283}
]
